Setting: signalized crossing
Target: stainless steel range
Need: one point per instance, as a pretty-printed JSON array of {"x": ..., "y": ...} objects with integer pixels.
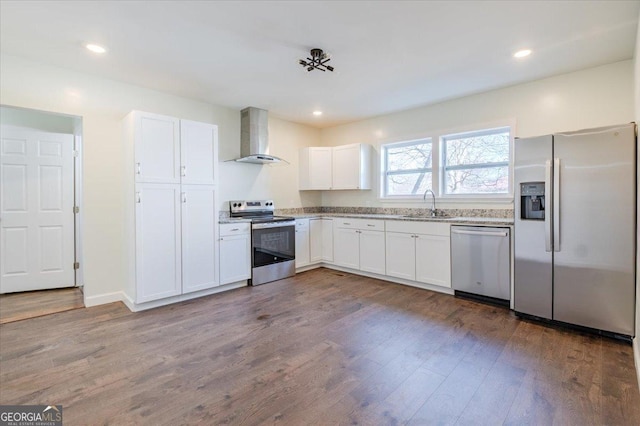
[{"x": 273, "y": 240}]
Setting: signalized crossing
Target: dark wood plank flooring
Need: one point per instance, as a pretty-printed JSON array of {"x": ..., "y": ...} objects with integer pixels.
[
  {"x": 31, "y": 304},
  {"x": 322, "y": 348}
]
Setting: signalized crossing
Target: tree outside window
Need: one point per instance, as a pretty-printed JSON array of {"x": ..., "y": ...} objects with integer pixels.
[
  {"x": 476, "y": 162},
  {"x": 408, "y": 168}
]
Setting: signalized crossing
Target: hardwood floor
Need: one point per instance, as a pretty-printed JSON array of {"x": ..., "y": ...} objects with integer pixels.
[
  {"x": 31, "y": 304},
  {"x": 322, "y": 348}
]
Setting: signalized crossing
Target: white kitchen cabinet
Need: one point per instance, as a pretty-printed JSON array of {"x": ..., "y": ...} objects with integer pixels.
[
  {"x": 351, "y": 168},
  {"x": 302, "y": 243},
  {"x": 346, "y": 247},
  {"x": 327, "y": 240},
  {"x": 198, "y": 153},
  {"x": 433, "y": 259},
  {"x": 172, "y": 213},
  {"x": 359, "y": 244},
  {"x": 315, "y": 168},
  {"x": 199, "y": 236},
  {"x": 320, "y": 240},
  {"x": 401, "y": 255},
  {"x": 372, "y": 251},
  {"x": 315, "y": 240},
  {"x": 157, "y": 147},
  {"x": 235, "y": 252},
  {"x": 338, "y": 167},
  {"x": 157, "y": 241},
  {"x": 419, "y": 251}
]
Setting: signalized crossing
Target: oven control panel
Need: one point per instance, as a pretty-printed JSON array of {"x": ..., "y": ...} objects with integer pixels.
[{"x": 251, "y": 206}]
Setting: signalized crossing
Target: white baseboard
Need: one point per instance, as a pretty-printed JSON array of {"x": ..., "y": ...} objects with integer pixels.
[
  {"x": 137, "y": 307},
  {"x": 101, "y": 299},
  {"x": 636, "y": 356}
]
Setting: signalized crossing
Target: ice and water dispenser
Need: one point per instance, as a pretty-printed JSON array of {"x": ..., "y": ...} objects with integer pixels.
[{"x": 532, "y": 200}]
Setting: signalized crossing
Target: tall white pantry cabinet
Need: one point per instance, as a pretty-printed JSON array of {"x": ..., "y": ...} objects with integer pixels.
[{"x": 172, "y": 207}]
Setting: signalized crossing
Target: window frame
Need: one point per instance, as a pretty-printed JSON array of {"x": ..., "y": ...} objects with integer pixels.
[
  {"x": 386, "y": 173},
  {"x": 437, "y": 171},
  {"x": 443, "y": 168}
]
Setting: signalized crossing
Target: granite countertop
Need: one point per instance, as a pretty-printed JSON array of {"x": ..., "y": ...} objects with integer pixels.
[
  {"x": 234, "y": 220},
  {"x": 452, "y": 220}
]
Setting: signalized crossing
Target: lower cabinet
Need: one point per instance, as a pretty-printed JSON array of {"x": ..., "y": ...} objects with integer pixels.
[
  {"x": 199, "y": 256},
  {"x": 302, "y": 243},
  {"x": 235, "y": 252},
  {"x": 359, "y": 244},
  {"x": 158, "y": 247},
  {"x": 419, "y": 252}
]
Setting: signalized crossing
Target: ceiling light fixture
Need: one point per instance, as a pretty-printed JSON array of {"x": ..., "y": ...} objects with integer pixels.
[
  {"x": 317, "y": 61},
  {"x": 522, "y": 53},
  {"x": 95, "y": 48},
  {"x": 317, "y": 113}
]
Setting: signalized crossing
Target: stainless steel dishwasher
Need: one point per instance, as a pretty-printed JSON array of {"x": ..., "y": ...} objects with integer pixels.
[{"x": 480, "y": 263}]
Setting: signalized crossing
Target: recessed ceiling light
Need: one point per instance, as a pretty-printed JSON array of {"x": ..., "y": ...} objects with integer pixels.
[
  {"x": 522, "y": 53},
  {"x": 95, "y": 48},
  {"x": 317, "y": 113}
]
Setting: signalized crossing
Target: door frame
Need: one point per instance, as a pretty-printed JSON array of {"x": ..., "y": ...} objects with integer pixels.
[{"x": 78, "y": 223}]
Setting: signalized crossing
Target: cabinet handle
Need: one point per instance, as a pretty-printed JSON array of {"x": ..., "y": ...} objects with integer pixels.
[
  {"x": 235, "y": 229},
  {"x": 138, "y": 197},
  {"x": 346, "y": 223},
  {"x": 184, "y": 197},
  {"x": 368, "y": 224},
  {"x": 138, "y": 168},
  {"x": 184, "y": 170},
  {"x": 221, "y": 239}
]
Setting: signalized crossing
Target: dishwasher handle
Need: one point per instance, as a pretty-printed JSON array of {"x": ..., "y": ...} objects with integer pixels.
[{"x": 483, "y": 233}]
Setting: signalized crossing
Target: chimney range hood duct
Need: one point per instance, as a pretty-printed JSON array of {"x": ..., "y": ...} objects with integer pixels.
[{"x": 254, "y": 137}]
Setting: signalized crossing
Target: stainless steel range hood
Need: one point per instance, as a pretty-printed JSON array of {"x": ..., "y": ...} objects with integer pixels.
[{"x": 254, "y": 137}]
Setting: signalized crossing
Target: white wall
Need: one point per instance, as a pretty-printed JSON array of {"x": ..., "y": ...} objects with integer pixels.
[
  {"x": 102, "y": 104},
  {"x": 589, "y": 98},
  {"x": 242, "y": 181}
]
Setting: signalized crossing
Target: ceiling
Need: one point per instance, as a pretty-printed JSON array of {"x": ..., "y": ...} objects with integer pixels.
[{"x": 388, "y": 55}]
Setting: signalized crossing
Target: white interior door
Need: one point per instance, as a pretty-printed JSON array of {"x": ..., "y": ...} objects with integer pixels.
[{"x": 36, "y": 208}]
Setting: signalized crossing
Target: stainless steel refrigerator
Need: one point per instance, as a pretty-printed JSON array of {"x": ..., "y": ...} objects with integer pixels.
[{"x": 575, "y": 228}]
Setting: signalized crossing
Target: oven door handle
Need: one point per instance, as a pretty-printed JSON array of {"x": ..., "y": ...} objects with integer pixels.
[{"x": 273, "y": 224}]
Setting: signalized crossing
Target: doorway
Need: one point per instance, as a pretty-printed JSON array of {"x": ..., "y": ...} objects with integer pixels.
[{"x": 39, "y": 201}]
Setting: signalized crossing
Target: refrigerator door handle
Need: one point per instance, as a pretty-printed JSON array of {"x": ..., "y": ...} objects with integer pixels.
[
  {"x": 556, "y": 204},
  {"x": 548, "y": 175}
]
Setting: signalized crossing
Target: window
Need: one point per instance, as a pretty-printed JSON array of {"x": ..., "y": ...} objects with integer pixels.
[
  {"x": 476, "y": 162},
  {"x": 455, "y": 165},
  {"x": 407, "y": 168}
]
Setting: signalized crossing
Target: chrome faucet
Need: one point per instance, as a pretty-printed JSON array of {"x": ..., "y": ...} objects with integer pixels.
[{"x": 433, "y": 212}]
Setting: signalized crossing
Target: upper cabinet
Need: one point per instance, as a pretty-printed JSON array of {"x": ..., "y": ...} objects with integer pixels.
[
  {"x": 339, "y": 167},
  {"x": 198, "y": 153},
  {"x": 170, "y": 150},
  {"x": 315, "y": 168},
  {"x": 351, "y": 167}
]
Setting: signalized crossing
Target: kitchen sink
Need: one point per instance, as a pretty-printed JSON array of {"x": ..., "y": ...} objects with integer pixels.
[{"x": 426, "y": 216}]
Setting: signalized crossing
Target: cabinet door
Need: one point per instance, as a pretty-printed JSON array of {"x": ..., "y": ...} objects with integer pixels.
[
  {"x": 157, "y": 148},
  {"x": 401, "y": 255},
  {"x": 327, "y": 240},
  {"x": 372, "y": 252},
  {"x": 158, "y": 250},
  {"x": 346, "y": 167},
  {"x": 315, "y": 240},
  {"x": 320, "y": 166},
  {"x": 199, "y": 226},
  {"x": 346, "y": 247},
  {"x": 433, "y": 260},
  {"x": 302, "y": 242},
  {"x": 198, "y": 152},
  {"x": 235, "y": 258}
]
